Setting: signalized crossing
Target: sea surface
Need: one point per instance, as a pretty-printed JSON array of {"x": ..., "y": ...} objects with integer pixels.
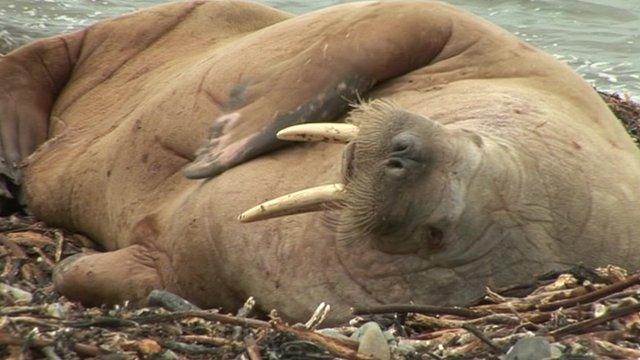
[{"x": 600, "y": 39}]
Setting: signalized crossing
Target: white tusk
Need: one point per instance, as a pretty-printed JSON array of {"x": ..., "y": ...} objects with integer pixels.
[
  {"x": 327, "y": 132},
  {"x": 302, "y": 201}
]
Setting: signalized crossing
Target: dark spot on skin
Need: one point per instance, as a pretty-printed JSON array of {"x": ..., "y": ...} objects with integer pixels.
[
  {"x": 518, "y": 111},
  {"x": 108, "y": 173},
  {"x": 146, "y": 230},
  {"x": 145, "y": 158},
  {"x": 139, "y": 73},
  {"x": 576, "y": 145},
  {"x": 277, "y": 284},
  {"x": 156, "y": 167},
  {"x": 236, "y": 96}
]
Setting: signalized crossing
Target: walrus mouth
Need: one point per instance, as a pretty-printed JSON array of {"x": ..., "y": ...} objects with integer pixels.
[{"x": 311, "y": 199}]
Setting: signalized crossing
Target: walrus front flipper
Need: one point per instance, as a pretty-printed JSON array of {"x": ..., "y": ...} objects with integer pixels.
[
  {"x": 309, "y": 68},
  {"x": 128, "y": 274},
  {"x": 330, "y": 104}
]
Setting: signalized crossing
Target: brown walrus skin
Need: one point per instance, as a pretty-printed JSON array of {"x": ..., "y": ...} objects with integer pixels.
[{"x": 483, "y": 162}]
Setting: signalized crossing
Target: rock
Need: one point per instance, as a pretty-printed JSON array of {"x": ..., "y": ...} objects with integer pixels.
[
  {"x": 167, "y": 355},
  {"x": 169, "y": 301},
  {"x": 373, "y": 341},
  {"x": 405, "y": 351},
  {"x": 531, "y": 348},
  {"x": 148, "y": 347},
  {"x": 57, "y": 310}
]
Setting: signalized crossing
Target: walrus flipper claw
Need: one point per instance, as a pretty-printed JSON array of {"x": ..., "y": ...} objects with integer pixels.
[{"x": 214, "y": 158}]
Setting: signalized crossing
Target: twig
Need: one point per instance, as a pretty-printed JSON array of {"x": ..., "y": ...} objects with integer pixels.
[
  {"x": 524, "y": 322},
  {"x": 605, "y": 348},
  {"x": 429, "y": 335},
  {"x": 81, "y": 349},
  {"x": 252, "y": 348},
  {"x": 191, "y": 348},
  {"x": 210, "y": 340},
  {"x": 50, "y": 353},
  {"x": 211, "y": 316},
  {"x": 17, "y": 251},
  {"x": 606, "y": 335},
  {"x": 59, "y": 246},
  {"x": 480, "y": 335},
  {"x": 44, "y": 257},
  {"x": 594, "y": 295},
  {"x": 14, "y": 310},
  {"x": 495, "y": 319},
  {"x": 328, "y": 343},
  {"x": 586, "y": 324},
  {"x": 31, "y": 321},
  {"x": 109, "y": 322},
  {"x": 435, "y": 356},
  {"x": 418, "y": 309}
]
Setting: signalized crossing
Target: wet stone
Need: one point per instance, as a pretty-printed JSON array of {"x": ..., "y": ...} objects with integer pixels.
[{"x": 373, "y": 341}]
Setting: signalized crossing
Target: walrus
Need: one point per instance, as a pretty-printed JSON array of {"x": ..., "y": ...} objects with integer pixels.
[{"x": 472, "y": 159}]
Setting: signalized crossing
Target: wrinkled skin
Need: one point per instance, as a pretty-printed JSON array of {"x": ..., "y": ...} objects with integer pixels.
[{"x": 487, "y": 162}]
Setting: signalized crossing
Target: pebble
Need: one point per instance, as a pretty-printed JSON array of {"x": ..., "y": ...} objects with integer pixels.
[
  {"x": 372, "y": 341},
  {"x": 15, "y": 294},
  {"x": 532, "y": 348}
]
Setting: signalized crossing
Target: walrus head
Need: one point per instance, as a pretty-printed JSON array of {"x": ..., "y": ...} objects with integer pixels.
[{"x": 406, "y": 179}]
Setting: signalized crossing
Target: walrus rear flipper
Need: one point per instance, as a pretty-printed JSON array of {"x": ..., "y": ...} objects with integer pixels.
[
  {"x": 30, "y": 79},
  {"x": 317, "y": 74}
]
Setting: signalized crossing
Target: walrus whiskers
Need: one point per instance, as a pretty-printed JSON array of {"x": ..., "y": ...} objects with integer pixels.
[
  {"x": 314, "y": 132},
  {"x": 307, "y": 200}
]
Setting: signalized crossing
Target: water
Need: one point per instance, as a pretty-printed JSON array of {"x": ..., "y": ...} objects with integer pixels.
[{"x": 598, "y": 38}]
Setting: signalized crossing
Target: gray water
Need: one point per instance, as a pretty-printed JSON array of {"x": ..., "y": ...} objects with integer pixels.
[{"x": 600, "y": 39}]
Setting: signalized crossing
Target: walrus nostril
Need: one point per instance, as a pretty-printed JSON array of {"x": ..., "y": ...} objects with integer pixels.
[
  {"x": 399, "y": 147},
  {"x": 435, "y": 238},
  {"x": 397, "y": 167},
  {"x": 395, "y": 164},
  {"x": 406, "y": 145}
]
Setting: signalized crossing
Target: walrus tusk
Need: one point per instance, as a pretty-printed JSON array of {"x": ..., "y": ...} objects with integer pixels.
[
  {"x": 302, "y": 201},
  {"x": 327, "y": 132}
]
